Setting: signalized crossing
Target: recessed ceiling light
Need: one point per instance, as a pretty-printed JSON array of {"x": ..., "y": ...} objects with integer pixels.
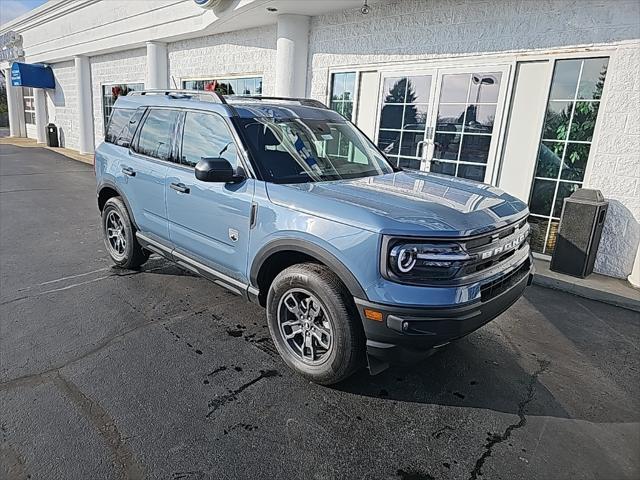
[{"x": 272, "y": 9}]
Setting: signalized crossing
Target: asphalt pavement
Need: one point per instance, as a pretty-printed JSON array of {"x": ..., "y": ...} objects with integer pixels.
[{"x": 111, "y": 374}]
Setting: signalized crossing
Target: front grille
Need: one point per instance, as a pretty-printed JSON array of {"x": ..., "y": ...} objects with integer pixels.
[{"x": 502, "y": 284}]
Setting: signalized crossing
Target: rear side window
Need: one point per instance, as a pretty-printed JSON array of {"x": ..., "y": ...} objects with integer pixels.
[
  {"x": 122, "y": 126},
  {"x": 156, "y": 133},
  {"x": 207, "y": 135}
]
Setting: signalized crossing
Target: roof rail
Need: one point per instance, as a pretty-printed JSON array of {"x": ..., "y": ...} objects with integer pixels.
[
  {"x": 183, "y": 94},
  {"x": 307, "y": 102}
]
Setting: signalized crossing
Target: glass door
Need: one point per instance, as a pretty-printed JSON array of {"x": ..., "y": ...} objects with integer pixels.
[
  {"x": 405, "y": 106},
  {"x": 467, "y": 123},
  {"x": 445, "y": 120}
]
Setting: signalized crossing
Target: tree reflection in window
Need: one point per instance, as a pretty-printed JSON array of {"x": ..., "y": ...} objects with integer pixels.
[{"x": 572, "y": 111}]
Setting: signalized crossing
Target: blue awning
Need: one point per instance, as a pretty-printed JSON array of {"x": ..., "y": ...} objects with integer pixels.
[{"x": 32, "y": 75}]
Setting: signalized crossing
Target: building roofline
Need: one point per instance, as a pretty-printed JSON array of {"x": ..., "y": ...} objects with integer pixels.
[{"x": 45, "y": 12}]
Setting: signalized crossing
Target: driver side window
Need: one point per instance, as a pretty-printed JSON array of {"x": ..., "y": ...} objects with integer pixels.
[{"x": 206, "y": 135}]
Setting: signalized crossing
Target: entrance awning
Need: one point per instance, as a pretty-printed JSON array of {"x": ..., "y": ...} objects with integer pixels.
[{"x": 32, "y": 75}]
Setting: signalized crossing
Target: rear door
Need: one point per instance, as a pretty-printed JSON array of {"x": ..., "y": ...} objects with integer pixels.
[
  {"x": 145, "y": 168},
  {"x": 208, "y": 222}
]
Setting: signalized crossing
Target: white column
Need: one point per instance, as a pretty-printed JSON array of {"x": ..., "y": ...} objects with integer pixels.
[
  {"x": 41, "y": 114},
  {"x": 292, "y": 50},
  {"x": 15, "y": 107},
  {"x": 85, "y": 107},
  {"x": 157, "y": 66},
  {"x": 634, "y": 278}
]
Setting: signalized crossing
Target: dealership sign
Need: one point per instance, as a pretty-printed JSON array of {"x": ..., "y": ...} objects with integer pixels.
[{"x": 10, "y": 46}]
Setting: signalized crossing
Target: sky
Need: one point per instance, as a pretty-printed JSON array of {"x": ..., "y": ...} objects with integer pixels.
[{"x": 10, "y": 9}]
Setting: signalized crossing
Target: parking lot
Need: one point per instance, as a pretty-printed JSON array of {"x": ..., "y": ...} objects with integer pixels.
[{"x": 108, "y": 373}]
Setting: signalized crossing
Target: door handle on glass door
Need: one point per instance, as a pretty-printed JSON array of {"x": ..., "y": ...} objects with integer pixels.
[{"x": 180, "y": 187}]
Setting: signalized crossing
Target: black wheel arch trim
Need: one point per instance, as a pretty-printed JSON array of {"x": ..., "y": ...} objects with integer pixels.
[
  {"x": 313, "y": 250},
  {"x": 114, "y": 187}
]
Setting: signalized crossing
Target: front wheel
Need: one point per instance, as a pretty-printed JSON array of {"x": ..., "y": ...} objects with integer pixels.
[
  {"x": 119, "y": 236},
  {"x": 314, "y": 324}
]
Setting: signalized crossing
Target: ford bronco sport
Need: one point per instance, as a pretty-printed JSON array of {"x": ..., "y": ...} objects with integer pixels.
[{"x": 288, "y": 204}]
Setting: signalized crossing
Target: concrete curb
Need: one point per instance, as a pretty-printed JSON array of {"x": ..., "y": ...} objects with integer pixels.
[{"x": 588, "y": 292}]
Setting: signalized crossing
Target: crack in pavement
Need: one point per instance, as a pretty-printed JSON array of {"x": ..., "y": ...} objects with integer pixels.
[
  {"x": 495, "y": 438},
  {"x": 105, "y": 425},
  {"x": 218, "y": 402}
]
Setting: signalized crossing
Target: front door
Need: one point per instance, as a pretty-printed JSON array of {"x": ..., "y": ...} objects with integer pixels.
[
  {"x": 445, "y": 120},
  {"x": 209, "y": 222}
]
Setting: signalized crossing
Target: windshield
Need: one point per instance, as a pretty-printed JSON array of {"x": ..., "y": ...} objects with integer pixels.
[{"x": 297, "y": 150}]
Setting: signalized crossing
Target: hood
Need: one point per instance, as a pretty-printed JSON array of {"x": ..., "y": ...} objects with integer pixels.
[{"x": 405, "y": 203}]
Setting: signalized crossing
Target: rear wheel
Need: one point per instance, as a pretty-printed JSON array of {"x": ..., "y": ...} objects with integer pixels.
[
  {"x": 314, "y": 324},
  {"x": 119, "y": 236}
]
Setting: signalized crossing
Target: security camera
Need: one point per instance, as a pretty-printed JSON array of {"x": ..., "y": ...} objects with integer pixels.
[{"x": 365, "y": 8}]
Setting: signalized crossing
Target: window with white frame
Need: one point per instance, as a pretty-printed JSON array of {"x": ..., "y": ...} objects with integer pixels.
[
  {"x": 227, "y": 86},
  {"x": 29, "y": 102},
  {"x": 110, "y": 94},
  {"x": 567, "y": 133},
  {"x": 343, "y": 86}
]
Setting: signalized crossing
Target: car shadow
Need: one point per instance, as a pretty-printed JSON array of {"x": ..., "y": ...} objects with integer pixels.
[{"x": 467, "y": 373}]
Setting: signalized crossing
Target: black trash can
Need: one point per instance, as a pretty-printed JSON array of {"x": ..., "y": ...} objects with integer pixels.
[
  {"x": 52, "y": 136},
  {"x": 581, "y": 224}
]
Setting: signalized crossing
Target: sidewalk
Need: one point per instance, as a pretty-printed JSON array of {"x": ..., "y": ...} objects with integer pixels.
[
  {"x": 29, "y": 142},
  {"x": 601, "y": 288}
]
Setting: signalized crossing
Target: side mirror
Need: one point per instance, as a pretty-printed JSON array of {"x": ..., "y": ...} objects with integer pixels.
[{"x": 219, "y": 170}]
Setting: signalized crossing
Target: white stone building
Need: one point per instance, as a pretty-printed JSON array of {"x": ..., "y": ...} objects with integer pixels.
[{"x": 537, "y": 97}]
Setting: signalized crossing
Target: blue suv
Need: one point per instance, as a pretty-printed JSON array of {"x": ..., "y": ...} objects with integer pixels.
[{"x": 288, "y": 204}]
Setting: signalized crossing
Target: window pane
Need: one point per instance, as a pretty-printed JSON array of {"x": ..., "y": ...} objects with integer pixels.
[
  {"x": 349, "y": 86},
  {"x": 337, "y": 86},
  {"x": 419, "y": 89},
  {"x": 565, "y": 79},
  {"x": 395, "y": 90},
  {"x": 450, "y": 118},
  {"x": 485, "y": 88},
  {"x": 445, "y": 168},
  {"x": 564, "y": 190},
  {"x": 156, "y": 134},
  {"x": 480, "y": 118},
  {"x": 538, "y": 232},
  {"x": 122, "y": 126},
  {"x": 575, "y": 161},
  {"x": 549, "y": 159},
  {"x": 556, "y": 122},
  {"x": 454, "y": 88},
  {"x": 337, "y": 107},
  {"x": 415, "y": 117},
  {"x": 206, "y": 135},
  {"x": 410, "y": 143},
  {"x": 542, "y": 196},
  {"x": 594, "y": 71},
  {"x": 471, "y": 172},
  {"x": 392, "y": 116},
  {"x": 348, "y": 110},
  {"x": 389, "y": 142},
  {"x": 584, "y": 121},
  {"x": 475, "y": 148},
  {"x": 447, "y": 146},
  {"x": 411, "y": 163}
]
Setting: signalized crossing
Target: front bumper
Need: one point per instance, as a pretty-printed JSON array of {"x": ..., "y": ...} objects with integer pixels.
[{"x": 410, "y": 334}]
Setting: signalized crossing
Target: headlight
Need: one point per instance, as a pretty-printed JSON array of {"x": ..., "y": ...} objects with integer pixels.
[{"x": 417, "y": 262}]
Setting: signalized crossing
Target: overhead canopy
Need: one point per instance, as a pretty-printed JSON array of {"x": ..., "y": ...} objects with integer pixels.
[{"x": 32, "y": 75}]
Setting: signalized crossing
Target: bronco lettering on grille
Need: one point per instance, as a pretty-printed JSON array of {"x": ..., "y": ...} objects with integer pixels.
[{"x": 504, "y": 248}]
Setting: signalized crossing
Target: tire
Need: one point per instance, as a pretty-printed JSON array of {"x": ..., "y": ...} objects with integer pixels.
[
  {"x": 335, "y": 332},
  {"x": 123, "y": 247}
]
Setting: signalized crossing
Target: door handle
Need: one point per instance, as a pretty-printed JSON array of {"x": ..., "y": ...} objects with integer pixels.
[
  {"x": 129, "y": 171},
  {"x": 180, "y": 187}
]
